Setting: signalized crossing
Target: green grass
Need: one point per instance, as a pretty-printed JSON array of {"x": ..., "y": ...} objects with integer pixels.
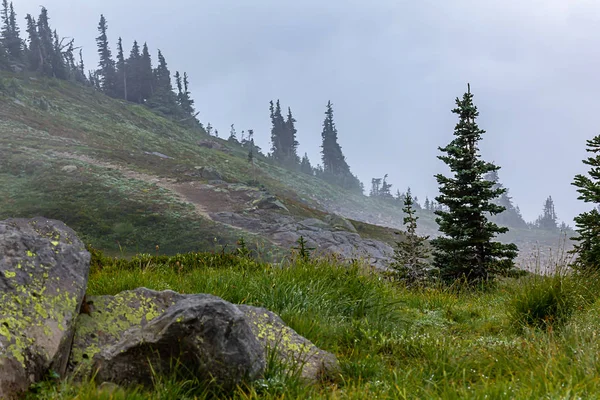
[{"x": 392, "y": 342}]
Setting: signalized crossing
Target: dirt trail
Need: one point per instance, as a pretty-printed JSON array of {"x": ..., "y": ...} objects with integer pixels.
[{"x": 166, "y": 183}]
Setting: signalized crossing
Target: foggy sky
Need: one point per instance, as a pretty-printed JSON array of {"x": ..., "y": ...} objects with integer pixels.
[{"x": 392, "y": 70}]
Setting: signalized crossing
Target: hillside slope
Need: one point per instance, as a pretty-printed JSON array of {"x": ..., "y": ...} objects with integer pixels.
[{"x": 128, "y": 180}]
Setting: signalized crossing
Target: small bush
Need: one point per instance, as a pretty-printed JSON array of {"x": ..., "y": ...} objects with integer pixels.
[{"x": 547, "y": 302}]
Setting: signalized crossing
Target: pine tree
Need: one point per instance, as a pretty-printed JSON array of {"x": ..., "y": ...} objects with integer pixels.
[
  {"x": 410, "y": 255},
  {"x": 107, "y": 72},
  {"x": 427, "y": 204},
  {"x": 385, "y": 188},
  {"x": 34, "y": 52},
  {"x": 335, "y": 167},
  {"x": 587, "y": 248},
  {"x": 511, "y": 216},
  {"x": 11, "y": 39},
  {"x": 305, "y": 165},
  {"x": 121, "y": 72},
  {"x": 187, "y": 104},
  {"x": 375, "y": 187},
  {"x": 57, "y": 59},
  {"x": 290, "y": 142},
  {"x": 146, "y": 75},
  {"x": 278, "y": 128},
  {"x": 163, "y": 99},
  {"x": 467, "y": 250},
  {"x": 232, "y": 135},
  {"x": 46, "y": 43},
  {"x": 547, "y": 220},
  {"x": 134, "y": 74}
]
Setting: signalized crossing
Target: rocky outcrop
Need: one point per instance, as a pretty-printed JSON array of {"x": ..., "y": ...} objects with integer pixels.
[
  {"x": 43, "y": 275},
  {"x": 332, "y": 236}
]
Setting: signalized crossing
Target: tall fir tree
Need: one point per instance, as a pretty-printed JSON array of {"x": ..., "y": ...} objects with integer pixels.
[
  {"x": 10, "y": 34},
  {"x": 187, "y": 103},
  {"x": 46, "y": 43},
  {"x": 411, "y": 254},
  {"x": 146, "y": 74},
  {"x": 163, "y": 98},
  {"x": 305, "y": 165},
  {"x": 121, "y": 72},
  {"x": 290, "y": 142},
  {"x": 34, "y": 51},
  {"x": 57, "y": 59},
  {"x": 134, "y": 74},
  {"x": 335, "y": 167},
  {"x": 587, "y": 248},
  {"x": 467, "y": 250},
  {"x": 548, "y": 219},
  {"x": 278, "y": 128},
  {"x": 107, "y": 71},
  {"x": 511, "y": 216}
]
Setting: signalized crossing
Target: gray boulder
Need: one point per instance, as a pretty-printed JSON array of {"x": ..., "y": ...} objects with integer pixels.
[
  {"x": 208, "y": 173},
  {"x": 130, "y": 335},
  {"x": 44, "y": 269},
  {"x": 296, "y": 353}
]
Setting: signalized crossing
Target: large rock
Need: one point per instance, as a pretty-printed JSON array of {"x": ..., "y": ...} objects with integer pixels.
[
  {"x": 130, "y": 335},
  {"x": 296, "y": 353},
  {"x": 44, "y": 269}
]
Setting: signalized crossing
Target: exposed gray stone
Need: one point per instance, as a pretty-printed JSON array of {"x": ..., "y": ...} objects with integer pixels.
[{"x": 44, "y": 269}]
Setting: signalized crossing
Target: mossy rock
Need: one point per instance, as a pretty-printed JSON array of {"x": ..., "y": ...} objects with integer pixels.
[{"x": 44, "y": 269}]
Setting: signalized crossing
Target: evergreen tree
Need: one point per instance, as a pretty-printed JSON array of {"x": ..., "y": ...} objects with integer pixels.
[
  {"x": 278, "y": 128},
  {"x": 335, "y": 167},
  {"x": 11, "y": 39},
  {"x": 587, "y": 248},
  {"x": 57, "y": 59},
  {"x": 290, "y": 142},
  {"x": 34, "y": 52},
  {"x": 46, "y": 43},
  {"x": 121, "y": 72},
  {"x": 375, "y": 187},
  {"x": 146, "y": 75},
  {"x": 163, "y": 99},
  {"x": 133, "y": 74},
  {"x": 410, "y": 255},
  {"x": 107, "y": 72},
  {"x": 305, "y": 165},
  {"x": 427, "y": 204},
  {"x": 547, "y": 220},
  {"x": 385, "y": 188},
  {"x": 187, "y": 104},
  {"x": 467, "y": 250},
  {"x": 232, "y": 135}
]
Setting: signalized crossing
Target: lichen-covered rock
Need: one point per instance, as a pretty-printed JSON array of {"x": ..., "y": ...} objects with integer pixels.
[
  {"x": 295, "y": 352},
  {"x": 130, "y": 336},
  {"x": 44, "y": 269}
]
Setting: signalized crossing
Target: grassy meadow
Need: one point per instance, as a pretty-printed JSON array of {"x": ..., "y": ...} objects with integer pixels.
[{"x": 530, "y": 337}]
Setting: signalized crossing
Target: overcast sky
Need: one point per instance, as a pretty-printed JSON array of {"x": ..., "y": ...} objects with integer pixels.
[{"x": 392, "y": 69}]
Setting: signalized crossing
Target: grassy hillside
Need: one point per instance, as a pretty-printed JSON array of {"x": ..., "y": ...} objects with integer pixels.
[
  {"x": 115, "y": 171},
  {"x": 528, "y": 338}
]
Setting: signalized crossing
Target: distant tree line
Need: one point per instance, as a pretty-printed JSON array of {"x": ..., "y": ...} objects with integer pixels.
[{"x": 129, "y": 78}]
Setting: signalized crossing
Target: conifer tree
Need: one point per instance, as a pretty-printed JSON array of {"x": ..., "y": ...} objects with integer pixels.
[
  {"x": 587, "y": 248},
  {"x": 57, "y": 59},
  {"x": 290, "y": 142},
  {"x": 187, "y": 103},
  {"x": 10, "y": 36},
  {"x": 305, "y": 165},
  {"x": 467, "y": 250},
  {"x": 411, "y": 254},
  {"x": 232, "y": 135},
  {"x": 146, "y": 75},
  {"x": 107, "y": 72},
  {"x": 121, "y": 72},
  {"x": 277, "y": 133},
  {"x": 163, "y": 99},
  {"x": 46, "y": 43},
  {"x": 134, "y": 74},
  {"x": 34, "y": 52},
  {"x": 335, "y": 167},
  {"x": 547, "y": 220},
  {"x": 427, "y": 205}
]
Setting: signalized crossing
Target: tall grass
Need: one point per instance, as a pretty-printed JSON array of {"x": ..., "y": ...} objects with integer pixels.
[{"x": 392, "y": 342}]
